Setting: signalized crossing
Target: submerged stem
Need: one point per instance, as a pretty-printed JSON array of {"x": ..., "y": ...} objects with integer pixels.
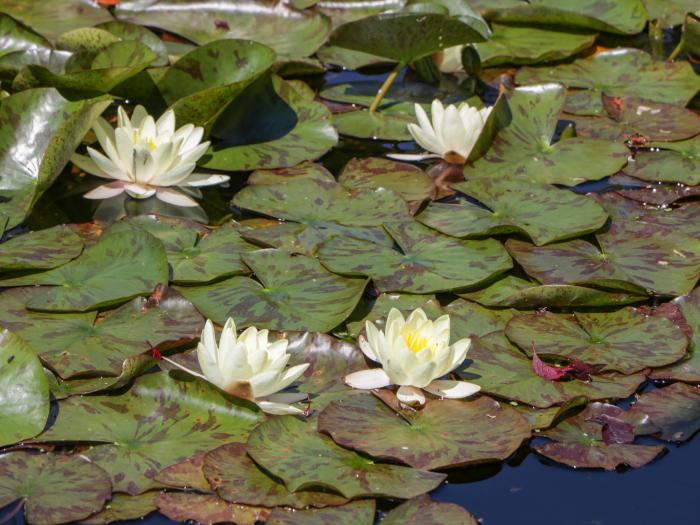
[
  {"x": 14, "y": 511},
  {"x": 385, "y": 87}
]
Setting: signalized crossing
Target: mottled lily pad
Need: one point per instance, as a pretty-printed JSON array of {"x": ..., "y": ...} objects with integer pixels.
[
  {"x": 624, "y": 341},
  {"x": 40, "y": 250},
  {"x": 355, "y": 513},
  {"x": 622, "y": 72},
  {"x": 296, "y": 293},
  {"x": 17, "y": 36},
  {"x": 524, "y": 149},
  {"x": 469, "y": 319},
  {"x": 504, "y": 371},
  {"x": 55, "y": 488},
  {"x": 675, "y": 162},
  {"x": 427, "y": 512},
  {"x": 428, "y": 261},
  {"x": 675, "y": 409},
  {"x": 187, "y": 474},
  {"x": 124, "y": 507},
  {"x": 293, "y": 451},
  {"x": 362, "y": 124},
  {"x": 56, "y": 17},
  {"x": 127, "y": 31},
  {"x": 207, "y": 508},
  {"x": 545, "y": 213},
  {"x": 157, "y": 423},
  {"x": 24, "y": 391},
  {"x": 445, "y": 433}
]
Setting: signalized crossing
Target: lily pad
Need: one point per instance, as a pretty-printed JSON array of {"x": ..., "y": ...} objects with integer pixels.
[
  {"x": 531, "y": 45},
  {"x": 675, "y": 409},
  {"x": 126, "y": 262},
  {"x": 624, "y": 341},
  {"x": 427, "y": 512},
  {"x": 24, "y": 391},
  {"x": 427, "y": 262},
  {"x": 55, "y": 488},
  {"x": 28, "y": 172},
  {"x": 207, "y": 508},
  {"x": 296, "y": 293},
  {"x": 16, "y": 36},
  {"x": 468, "y": 319},
  {"x": 127, "y": 31},
  {"x": 524, "y": 149},
  {"x": 40, "y": 250},
  {"x": 622, "y": 72},
  {"x": 362, "y": 124},
  {"x": 445, "y": 433},
  {"x": 504, "y": 371},
  {"x": 123, "y": 507},
  {"x": 293, "y": 451},
  {"x": 157, "y": 423},
  {"x": 669, "y": 12},
  {"x": 355, "y": 513},
  {"x": 675, "y": 162},
  {"x": 305, "y": 170},
  {"x": 56, "y": 17},
  {"x": 545, "y": 213},
  {"x": 187, "y": 474},
  {"x": 237, "y": 479}
]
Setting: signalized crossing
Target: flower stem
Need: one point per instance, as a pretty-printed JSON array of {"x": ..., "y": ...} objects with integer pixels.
[
  {"x": 385, "y": 87},
  {"x": 184, "y": 368},
  {"x": 14, "y": 511},
  {"x": 677, "y": 51}
]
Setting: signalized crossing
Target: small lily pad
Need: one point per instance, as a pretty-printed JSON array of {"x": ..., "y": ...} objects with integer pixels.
[
  {"x": 207, "y": 508},
  {"x": 123, "y": 507},
  {"x": 675, "y": 162},
  {"x": 427, "y": 512},
  {"x": 40, "y": 250},
  {"x": 362, "y": 124},
  {"x": 675, "y": 409},
  {"x": 355, "y": 513}
]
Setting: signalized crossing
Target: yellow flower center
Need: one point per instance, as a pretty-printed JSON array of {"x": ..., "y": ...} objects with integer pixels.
[
  {"x": 416, "y": 341},
  {"x": 135, "y": 138}
]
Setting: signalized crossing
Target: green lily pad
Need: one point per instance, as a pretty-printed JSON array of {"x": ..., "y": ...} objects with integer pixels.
[
  {"x": 126, "y": 262},
  {"x": 381, "y": 307},
  {"x": 237, "y": 479},
  {"x": 669, "y": 12},
  {"x": 676, "y": 162},
  {"x": 624, "y": 341},
  {"x": 55, "y": 488},
  {"x": 504, "y": 371},
  {"x": 428, "y": 261},
  {"x": 40, "y": 250},
  {"x": 15, "y": 36},
  {"x": 305, "y": 170},
  {"x": 296, "y": 293},
  {"x": 406, "y": 37},
  {"x": 541, "y": 418},
  {"x": 524, "y": 149},
  {"x": 362, "y": 124},
  {"x": 124, "y": 507},
  {"x": 516, "y": 292},
  {"x": 578, "y": 443},
  {"x": 53, "y": 18},
  {"x": 80, "y": 344},
  {"x": 207, "y": 508},
  {"x": 157, "y": 423},
  {"x": 675, "y": 409},
  {"x": 27, "y": 173},
  {"x": 311, "y": 136},
  {"x": 127, "y": 31},
  {"x": 531, "y": 45},
  {"x": 291, "y": 33},
  {"x": 545, "y": 213},
  {"x": 349, "y": 59},
  {"x": 622, "y": 72},
  {"x": 468, "y": 319},
  {"x": 445, "y": 433},
  {"x": 427, "y": 512},
  {"x": 24, "y": 391},
  {"x": 293, "y": 451},
  {"x": 201, "y": 84},
  {"x": 187, "y": 474},
  {"x": 355, "y": 513},
  {"x": 344, "y": 11}
]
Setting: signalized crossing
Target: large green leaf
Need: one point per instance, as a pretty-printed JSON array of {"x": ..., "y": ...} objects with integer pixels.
[
  {"x": 54, "y": 127},
  {"x": 15, "y": 36},
  {"x": 622, "y": 72},
  {"x": 674, "y": 409},
  {"x": 524, "y": 149},
  {"x": 24, "y": 391},
  {"x": 292, "y": 450},
  {"x": 468, "y": 319},
  {"x": 57, "y": 16},
  {"x": 676, "y": 162},
  {"x": 127, "y": 31},
  {"x": 356, "y": 513},
  {"x": 427, "y": 261},
  {"x": 545, "y": 213},
  {"x": 504, "y": 371},
  {"x": 669, "y": 12},
  {"x": 445, "y": 433},
  {"x": 427, "y": 512},
  {"x": 126, "y": 262},
  {"x": 291, "y": 33},
  {"x": 296, "y": 293},
  {"x": 625, "y": 341},
  {"x": 40, "y": 250},
  {"x": 157, "y": 423}
]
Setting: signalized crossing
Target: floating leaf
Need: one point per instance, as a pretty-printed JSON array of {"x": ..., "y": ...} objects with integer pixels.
[
  {"x": 124, "y": 507},
  {"x": 296, "y": 293},
  {"x": 669, "y": 12},
  {"x": 24, "y": 391},
  {"x": 362, "y": 124},
  {"x": 675, "y": 409},
  {"x": 186, "y": 474},
  {"x": 157, "y": 423},
  {"x": 55, "y": 488},
  {"x": 305, "y": 170},
  {"x": 427, "y": 512},
  {"x": 675, "y": 162},
  {"x": 293, "y": 451},
  {"x": 56, "y": 17},
  {"x": 18, "y": 37},
  {"x": 127, "y": 31},
  {"x": 206, "y": 508},
  {"x": 40, "y": 250},
  {"x": 470, "y": 319},
  {"x": 355, "y": 513}
]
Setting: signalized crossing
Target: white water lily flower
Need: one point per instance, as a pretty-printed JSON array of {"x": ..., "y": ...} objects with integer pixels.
[
  {"x": 414, "y": 353},
  {"x": 146, "y": 157},
  {"x": 452, "y": 133},
  {"x": 248, "y": 366}
]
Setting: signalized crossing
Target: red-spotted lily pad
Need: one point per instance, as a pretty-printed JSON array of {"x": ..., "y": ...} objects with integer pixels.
[
  {"x": 157, "y": 423},
  {"x": 428, "y": 261},
  {"x": 504, "y": 371},
  {"x": 40, "y": 250},
  {"x": 207, "y": 508},
  {"x": 445, "y": 433},
  {"x": 675, "y": 162},
  {"x": 524, "y": 149},
  {"x": 77, "y": 344},
  {"x": 293, "y": 451},
  {"x": 674, "y": 409},
  {"x": 579, "y": 442},
  {"x": 296, "y": 293},
  {"x": 55, "y": 489},
  {"x": 24, "y": 391},
  {"x": 622, "y": 72},
  {"x": 237, "y": 479},
  {"x": 625, "y": 341},
  {"x": 427, "y": 512},
  {"x": 124, "y": 507},
  {"x": 356, "y": 513},
  {"x": 543, "y": 212},
  {"x": 125, "y": 262}
]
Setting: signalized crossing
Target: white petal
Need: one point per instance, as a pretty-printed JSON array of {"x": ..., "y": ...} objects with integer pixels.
[
  {"x": 278, "y": 409},
  {"x": 198, "y": 180},
  {"x": 192, "y": 139},
  {"x": 88, "y": 165},
  {"x": 124, "y": 150},
  {"x": 290, "y": 375},
  {"x": 452, "y": 133},
  {"x": 175, "y": 198},
  {"x": 452, "y": 389},
  {"x": 437, "y": 111},
  {"x": 368, "y": 344},
  {"x": 413, "y": 157},
  {"x": 166, "y": 123},
  {"x": 108, "y": 167},
  {"x": 368, "y": 379},
  {"x": 106, "y": 191},
  {"x": 410, "y": 395},
  {"x": 291, "y": 397},
  {"x": 174, "y": 176},
  {"x": 137, "y": 116},
  {"x": 195, "y": 153},
  {"x": 427, "y": 141},
  {"x": 423, "y": 120},
  {"x": 139, "y": 192}
]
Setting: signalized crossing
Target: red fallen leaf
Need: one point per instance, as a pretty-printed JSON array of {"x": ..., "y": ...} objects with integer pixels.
[
  {"x": 155, "y": 353},
  {"x": 542, "y": 369},
  {"x": 583, "y": 371}
]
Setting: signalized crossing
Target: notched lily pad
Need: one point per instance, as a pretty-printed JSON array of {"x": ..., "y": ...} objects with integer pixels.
[
  {"x": 675, "y": 409},
  {"x": 674, "y": 162},
  {"x": 427, "y": 512},
  {"x": 207, "y": 508},
  {"x": 355, "y": 513}
]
